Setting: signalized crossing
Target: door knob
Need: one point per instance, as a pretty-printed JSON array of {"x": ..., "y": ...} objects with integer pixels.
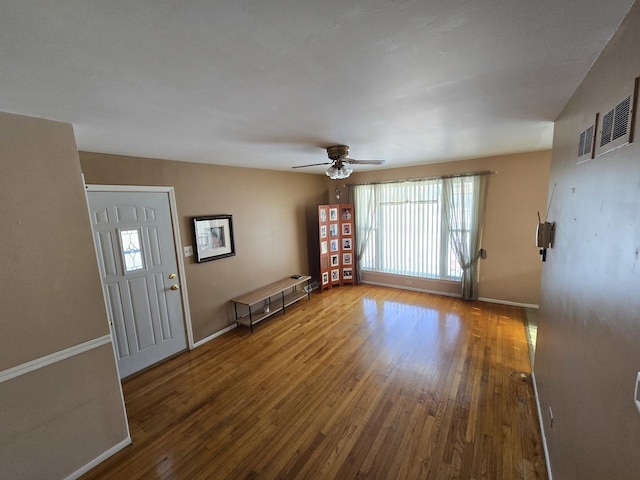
[
  {"x": 175, "y": 287},
  {"x": 172, "y": 276}
]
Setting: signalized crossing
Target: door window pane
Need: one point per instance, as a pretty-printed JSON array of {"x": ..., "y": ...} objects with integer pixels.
[{"x": 131, "y": 250}]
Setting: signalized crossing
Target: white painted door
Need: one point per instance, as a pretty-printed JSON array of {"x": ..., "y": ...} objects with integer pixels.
[{"x": 137, "y": 258}]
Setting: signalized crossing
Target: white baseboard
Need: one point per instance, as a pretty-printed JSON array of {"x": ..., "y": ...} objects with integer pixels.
[
  {"x": 541, "y": 422},
  {"x": 448, "y": 294},
  {"x": 507, "y": 302},
  {"x": 413, "y": 289},
  {"x": 215, "y": 335},
  {"x": 93, "y": 463}
]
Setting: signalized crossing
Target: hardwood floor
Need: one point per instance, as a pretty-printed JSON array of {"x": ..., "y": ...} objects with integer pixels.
[{"x": 358, "y": 382}]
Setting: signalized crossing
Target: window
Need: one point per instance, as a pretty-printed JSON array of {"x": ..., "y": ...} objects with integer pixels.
[
  {"x": 131, "y": 250},
  {"x": 402, "y": 227}
]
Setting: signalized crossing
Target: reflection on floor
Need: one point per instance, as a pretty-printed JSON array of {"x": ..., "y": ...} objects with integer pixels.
[{"x": 531, "y": 330}]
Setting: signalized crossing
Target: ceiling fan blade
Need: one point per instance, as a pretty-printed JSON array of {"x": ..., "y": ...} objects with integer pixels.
[
  {"x": 312, "y": 165},
  {"x": 363, "y": 162}
]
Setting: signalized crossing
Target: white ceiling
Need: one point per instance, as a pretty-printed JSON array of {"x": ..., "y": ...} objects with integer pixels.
[{"x": 268, "y": 83}]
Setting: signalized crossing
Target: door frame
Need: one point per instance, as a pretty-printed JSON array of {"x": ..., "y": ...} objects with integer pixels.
[{"x": 175, "y": 227}]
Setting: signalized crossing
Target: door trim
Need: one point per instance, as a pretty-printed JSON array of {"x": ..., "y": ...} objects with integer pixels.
[{"x": 176, "y": 240}]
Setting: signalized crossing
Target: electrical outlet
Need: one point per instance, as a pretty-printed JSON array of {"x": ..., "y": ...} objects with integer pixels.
[
  {"x": 407, "y": 282},
  {"x": 551, "y": 417},
  {"x": 188, "y": 251}
]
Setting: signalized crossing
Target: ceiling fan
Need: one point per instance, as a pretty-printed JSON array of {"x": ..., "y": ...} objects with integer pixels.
[{"x": 339, "y": 161}]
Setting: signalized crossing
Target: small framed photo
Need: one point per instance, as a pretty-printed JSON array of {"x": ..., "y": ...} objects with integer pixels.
[
  {"x": 335, "y": 246},
  {"x": 347, "y": 259},
  {"x": 322, "y": 214},
  {"x": 346, "y": 229},
  {"x": 333, "y": 230},
  {"x": 346, "y": 243},
  {"x": 335, "y": 260},
  {"x": 213, "y": 237},
  {"x": 335, "y": 275},
  {"x": 323, "y": 231},
  {"x": 333, "y": 214},
  {"x": 346, "y": 213},
  {"x": 347, "y": 273},
  {"x": 325, "y": 278},
  {"x": 323, "y": 247}
]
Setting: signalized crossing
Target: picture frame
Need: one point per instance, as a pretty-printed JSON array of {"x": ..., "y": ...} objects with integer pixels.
[
  {"x": 325, "y": 278},
  {"x": 323, "y": 247},
  {"x": 347, "y": 243},
  {"x": 346, "y": 213},
  {"x": 323, "y": 231},
  {"x": 347, "y": 273},
  {"x": 333, "y": 214},
  {"x": 333, "y": 229},
  {"x": 346, "y": 229},
  {"x": 335, "y": 260},
  {"x": 323, "y": 214},
  {"x": 347, "y": 259},
  {"x": 213, "y": 236},
  {"x": 334, "y": 245},
  {"x": 335, "y": 275}
]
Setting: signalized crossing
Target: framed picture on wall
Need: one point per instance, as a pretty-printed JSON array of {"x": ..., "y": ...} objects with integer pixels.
[
  {"x": 323, "y": 247},
  {"x": 346, "y": 243},
  {"x": 333, "y": 214},
  {"x": 335, "y": 260},
  {"x": 323, "y": 214},
  {"x": 346, "y": 259},
  {"x": 335, "y": 275},
  {"x": 213, "y": 235},
  {"x": 323, "y": 231},
  {"x": 333, "y": 230},
  {"x": 347, "y": 273},
  {"x": 346, "y": 229},
  {"x": 335, "y": 246},
  {"x": 346, "y": 213},
  {"x": 325, "y": 278}
]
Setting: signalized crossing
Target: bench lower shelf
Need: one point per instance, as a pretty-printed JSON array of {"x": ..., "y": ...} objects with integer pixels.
[
  {"x": 255, "y": 317},
  {"x": 274, "y": 295}
]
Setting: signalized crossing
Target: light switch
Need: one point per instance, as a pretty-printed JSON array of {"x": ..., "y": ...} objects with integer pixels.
[{"x": 188, "y": 251}]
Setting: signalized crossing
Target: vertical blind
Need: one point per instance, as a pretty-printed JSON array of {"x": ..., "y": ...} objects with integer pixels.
[{"x": 401, "y": 227}]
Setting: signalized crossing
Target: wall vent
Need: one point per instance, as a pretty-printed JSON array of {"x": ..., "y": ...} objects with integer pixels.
[
  {"x": 616, "y": 126},
  {"x": 586, "y": 143}
]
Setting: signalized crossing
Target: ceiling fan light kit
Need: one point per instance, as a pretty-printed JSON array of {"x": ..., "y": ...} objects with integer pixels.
[
  {"x": 338, "y": 173},
  {"x": 338, "y": 156}
]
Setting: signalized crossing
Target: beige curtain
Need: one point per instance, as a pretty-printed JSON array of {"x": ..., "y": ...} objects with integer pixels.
[
  {"x": 364, "y": 200},
  {"x": 464, "y": 209}
]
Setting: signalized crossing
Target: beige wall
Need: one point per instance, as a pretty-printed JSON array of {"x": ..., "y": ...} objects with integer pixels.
[
  {"x": 57, "y": 418},
  {"x": 511, "y": 271},
  {"x": 272, "y": 214},
  {"x": 588, "y": 351}
]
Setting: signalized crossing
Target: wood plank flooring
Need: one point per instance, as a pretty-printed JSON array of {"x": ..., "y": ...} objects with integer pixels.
[{"x": 359, "y": 382}]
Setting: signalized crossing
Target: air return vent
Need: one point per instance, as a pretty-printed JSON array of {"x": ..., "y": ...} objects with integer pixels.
[
  {"x": 586, "y": 142},
  {"x": 616, "y": 125}
]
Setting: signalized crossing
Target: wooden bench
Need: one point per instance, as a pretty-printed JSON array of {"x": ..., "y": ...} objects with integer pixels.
[{"x": 269, "y": 299}]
